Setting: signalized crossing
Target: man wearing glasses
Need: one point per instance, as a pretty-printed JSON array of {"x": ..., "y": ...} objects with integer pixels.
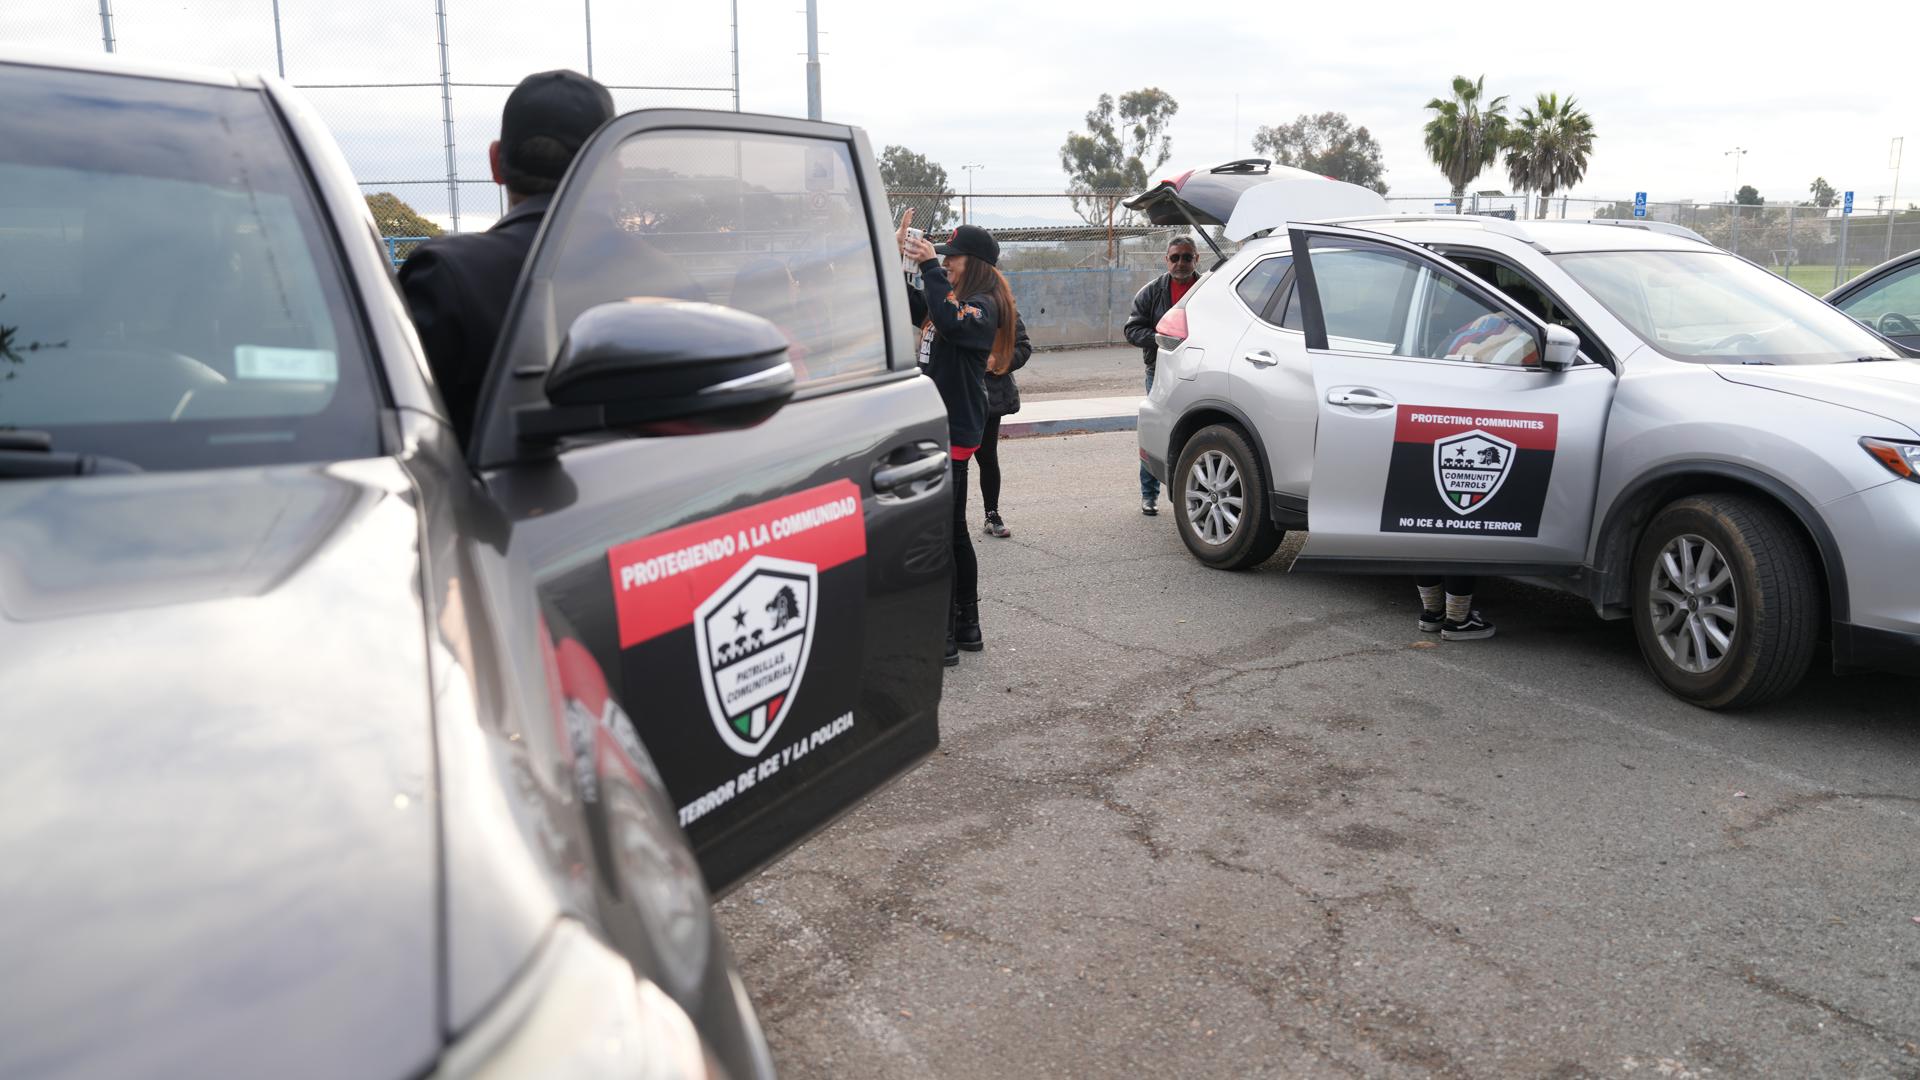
[{"x": 1153, "y": 300}]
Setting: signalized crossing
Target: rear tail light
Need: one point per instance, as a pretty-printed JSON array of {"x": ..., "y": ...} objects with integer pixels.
[
  {"x": 1901, "y": 459},
  {"x": 1171, "y": 330}
]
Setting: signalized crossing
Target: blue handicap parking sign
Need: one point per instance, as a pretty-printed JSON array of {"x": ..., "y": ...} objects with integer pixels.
[
  {"x": 1847, "y": 207},
  {"x": 1639, "y": 204}
]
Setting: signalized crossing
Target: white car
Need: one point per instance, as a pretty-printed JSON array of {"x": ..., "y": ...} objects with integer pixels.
[{"x": 1621, "y": 411}]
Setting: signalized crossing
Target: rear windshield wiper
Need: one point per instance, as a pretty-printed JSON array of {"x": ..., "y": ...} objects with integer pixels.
[
  {"x": 1872, "y": 359},
  {"x": 26, "y": 454}
]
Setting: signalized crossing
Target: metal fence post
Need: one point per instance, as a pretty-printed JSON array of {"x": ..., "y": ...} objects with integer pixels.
[
  {"x": 1789, "y": 273},
  {"x": 736, "y": 55},
  {"x": 446, "y": 116},
  {"x": 106, "y": 23},
  {"x": 1840, "y": 264},
  {"x": 279, "y": 53},
  {"x": 589, "y": 24}
]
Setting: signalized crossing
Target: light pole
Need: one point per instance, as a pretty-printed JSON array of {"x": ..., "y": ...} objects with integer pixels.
[
  {"x": 813, "y": 60},
  {"x": 966, "y": 204},
  {"x": 1893, "y": 153},
  {"x": 1736, "y": 154}
]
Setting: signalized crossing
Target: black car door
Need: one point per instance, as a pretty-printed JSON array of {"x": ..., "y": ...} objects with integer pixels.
[{"x": 768, "y": 603}]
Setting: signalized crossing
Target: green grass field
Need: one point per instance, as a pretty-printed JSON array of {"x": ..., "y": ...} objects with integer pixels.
[{"x": 1819, "y": 280}]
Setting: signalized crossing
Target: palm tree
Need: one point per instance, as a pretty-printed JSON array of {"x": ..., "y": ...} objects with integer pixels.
[
  {"x": 1548, "y": 146},
  {"x": 1466, "y": 133}
]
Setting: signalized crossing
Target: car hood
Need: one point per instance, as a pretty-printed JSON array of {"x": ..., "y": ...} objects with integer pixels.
[
  {"x": 219, "y": 853},
  {"x": 1889, "y": 389}
]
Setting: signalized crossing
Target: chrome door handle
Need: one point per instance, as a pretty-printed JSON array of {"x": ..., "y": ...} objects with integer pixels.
[
  {"x": 1261, "y": 358},
  {"x": 894, "y": 477},
  {"x": 1358, "y": 398}
]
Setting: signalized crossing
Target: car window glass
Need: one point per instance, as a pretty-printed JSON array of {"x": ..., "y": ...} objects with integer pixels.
[
  {"x": 1890, "y": 305},
  {"x": 1365, "y": 292},
  {"x": 1455, "y": 324},
  {"x": 1257, "y": 288},
  {"x": 769, "y": 224},
  {"x": 168, "y": 295},
  {"x": 1379, "y": 300},
  {"x": 1710, "y": 307},
  {"x": 1290, "y": 317}
]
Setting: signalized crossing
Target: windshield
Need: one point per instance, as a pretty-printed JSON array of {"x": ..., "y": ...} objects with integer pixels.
[
  {"x": 1710, "y": 307},
  {"x": 167, "y": 297}
]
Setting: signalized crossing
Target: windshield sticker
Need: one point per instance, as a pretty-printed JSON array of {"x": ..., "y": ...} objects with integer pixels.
[
  {"x": 742, "y": 638},
  {"x": 286, "y": 365},
  {"x": 1469, "y": 471}
]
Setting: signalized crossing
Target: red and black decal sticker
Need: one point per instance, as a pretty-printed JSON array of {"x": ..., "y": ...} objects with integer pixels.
[
  {"x": 741, "y": 638},
  {"x": 1469, "y": 471}
]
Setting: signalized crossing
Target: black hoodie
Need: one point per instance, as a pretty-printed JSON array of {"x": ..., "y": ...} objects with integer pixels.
[{"x": 954, "y": 350}]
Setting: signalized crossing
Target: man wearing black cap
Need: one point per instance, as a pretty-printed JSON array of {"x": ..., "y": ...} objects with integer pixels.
[{"x": 458, "y": 286}]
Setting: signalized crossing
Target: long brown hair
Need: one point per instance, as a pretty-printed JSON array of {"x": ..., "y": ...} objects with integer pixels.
[{"x": 979, "y": 276}]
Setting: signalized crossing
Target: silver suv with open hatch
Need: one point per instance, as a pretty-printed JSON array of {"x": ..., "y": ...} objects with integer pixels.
[{"x": 1626, "y": 413}]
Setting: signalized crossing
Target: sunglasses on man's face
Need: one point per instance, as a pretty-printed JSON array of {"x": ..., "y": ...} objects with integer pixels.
[{"x": 1180, "y": 258}]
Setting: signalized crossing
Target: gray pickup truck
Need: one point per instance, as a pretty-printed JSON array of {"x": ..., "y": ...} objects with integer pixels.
[{"x": 338, "y": 748}]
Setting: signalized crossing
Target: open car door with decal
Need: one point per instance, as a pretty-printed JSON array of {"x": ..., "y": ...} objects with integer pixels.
[
  {"x": 755, "y": 554},
  {"x": 1455, "y": 430}
]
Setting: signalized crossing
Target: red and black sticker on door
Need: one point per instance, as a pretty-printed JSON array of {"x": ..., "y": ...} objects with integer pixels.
[
  {"x": 741, "y": 639},
  {"x": 1469, "y": 471}
]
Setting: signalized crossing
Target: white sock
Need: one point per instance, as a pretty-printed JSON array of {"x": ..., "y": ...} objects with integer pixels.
[
  {"x": 1430, "y": 597},
  {"x": 1459, "y": 607}
]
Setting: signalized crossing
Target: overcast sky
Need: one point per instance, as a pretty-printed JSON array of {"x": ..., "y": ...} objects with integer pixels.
[{"x": 1671, "y": 87}]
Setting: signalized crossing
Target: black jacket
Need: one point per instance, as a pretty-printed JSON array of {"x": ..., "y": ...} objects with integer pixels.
[
  {"x": 457, "y": 288},
  {"x": 1154, "y": 299},
  {"x": 1003, "y": 394},
  {"x": 953, "y": 353}
]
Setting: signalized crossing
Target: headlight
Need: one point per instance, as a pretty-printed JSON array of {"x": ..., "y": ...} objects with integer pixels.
[
  {"x": 578, "y": 1013},
  {"x": 1902, "y": 459}
]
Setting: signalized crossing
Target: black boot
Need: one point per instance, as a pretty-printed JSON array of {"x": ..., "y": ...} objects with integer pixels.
[
  {"x": 953, "y": 649},
  {"x": 966, "y": 631}
]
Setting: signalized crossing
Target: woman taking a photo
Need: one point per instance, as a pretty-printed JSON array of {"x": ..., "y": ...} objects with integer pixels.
[{"x": 967, "y": 327}]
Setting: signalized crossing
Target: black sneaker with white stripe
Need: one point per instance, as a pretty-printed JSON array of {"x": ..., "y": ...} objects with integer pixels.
[
  {"x": 1472, "y": 628},
  {"x": 1432, "y": 622}
]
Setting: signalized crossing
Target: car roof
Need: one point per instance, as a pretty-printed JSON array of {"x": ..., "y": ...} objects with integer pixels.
[
  {"x": 118, "y": 64},
  {"x": 1550, "y": 237}
]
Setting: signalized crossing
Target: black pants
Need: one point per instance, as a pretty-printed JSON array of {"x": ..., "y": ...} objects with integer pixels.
[
  {"x": 1457, "y": 584},
  {"x": 989, "y": 458},
  {"x": 966, "y": 567}
]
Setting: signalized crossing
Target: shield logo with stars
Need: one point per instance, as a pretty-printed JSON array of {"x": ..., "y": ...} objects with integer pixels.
[
  {"x": 754, "y": 635},
  {"x": 1470, "y": 467}
]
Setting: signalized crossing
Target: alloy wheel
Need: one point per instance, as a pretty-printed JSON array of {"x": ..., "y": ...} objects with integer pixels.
[
  {"x": 1214, "y": 496},
  {"x": 1693, "y": 604}
]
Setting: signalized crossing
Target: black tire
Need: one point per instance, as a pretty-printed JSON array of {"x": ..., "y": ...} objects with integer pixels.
[
  {"x": 1773, "y": 586},
  {"x": 1252, "y": 537}
]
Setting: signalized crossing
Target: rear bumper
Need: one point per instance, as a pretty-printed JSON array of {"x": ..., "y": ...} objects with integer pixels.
[
  {"x": 1868, "y": 648},
  {"x": 1155, "y": 427}
]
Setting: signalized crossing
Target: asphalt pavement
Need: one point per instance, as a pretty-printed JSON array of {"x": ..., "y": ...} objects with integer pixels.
[{"x": 1198, "y": 824}]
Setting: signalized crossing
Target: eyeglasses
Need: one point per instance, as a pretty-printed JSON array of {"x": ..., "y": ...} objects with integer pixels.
[{"x": 1180, "y": 258}]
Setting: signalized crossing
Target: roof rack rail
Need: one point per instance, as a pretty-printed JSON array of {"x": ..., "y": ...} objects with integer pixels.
[
  {"x": 1665, "y": 228},
  {"x": 1489, "y": 224}
]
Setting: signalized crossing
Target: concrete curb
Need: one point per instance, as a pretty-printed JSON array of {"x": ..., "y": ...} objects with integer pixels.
[{"x": 1073, "y": 416}]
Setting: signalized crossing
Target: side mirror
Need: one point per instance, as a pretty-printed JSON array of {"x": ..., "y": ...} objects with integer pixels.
[
  {"x": 1561, "y": 345},
  {"x": 662, "y": 367}
]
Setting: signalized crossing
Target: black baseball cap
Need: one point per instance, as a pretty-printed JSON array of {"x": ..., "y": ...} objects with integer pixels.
[
  {"x": 548, "y": 117},
  {"x": 974, "y": 242}
]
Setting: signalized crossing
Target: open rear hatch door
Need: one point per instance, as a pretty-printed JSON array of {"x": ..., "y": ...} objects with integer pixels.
[{"x": 1249, "y": 196}]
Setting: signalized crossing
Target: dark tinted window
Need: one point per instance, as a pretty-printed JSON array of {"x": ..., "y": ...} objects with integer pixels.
[
  {"x": 167, "y": 293},
  {"x": 1258, "y": 287},
  {"x": 770, "y": 224}
]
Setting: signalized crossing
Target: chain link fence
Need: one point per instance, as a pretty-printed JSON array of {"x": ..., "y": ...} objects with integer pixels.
[
  {"x": 412, "y": 89},
  {"x": 1074, "y": 264},
  {"x": 1817, "y": 248}
]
